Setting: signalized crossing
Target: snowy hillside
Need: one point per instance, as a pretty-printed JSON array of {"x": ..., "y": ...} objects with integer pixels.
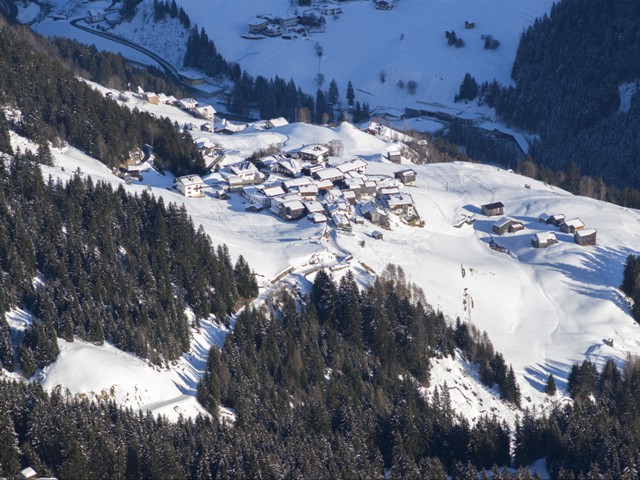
[
  {"x": 361, "y": 44},
  {"x": 543, "y": 308}
]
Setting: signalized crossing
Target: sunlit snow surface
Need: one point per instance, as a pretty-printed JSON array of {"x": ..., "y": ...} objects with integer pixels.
[{"x": 543, "y": 309}]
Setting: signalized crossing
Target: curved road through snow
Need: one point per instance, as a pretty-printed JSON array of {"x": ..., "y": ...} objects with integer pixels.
[{"x": 169, "y": 69}]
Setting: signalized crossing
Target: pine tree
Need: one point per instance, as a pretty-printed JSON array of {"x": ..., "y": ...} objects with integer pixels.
[
  {"x": 333, "y": 95},
  {"x": 351, "y": 96},
  {"x": 6, "y": 346},
  {"x": 5, "y": 139},
  {"x": 550, "y": 388}
]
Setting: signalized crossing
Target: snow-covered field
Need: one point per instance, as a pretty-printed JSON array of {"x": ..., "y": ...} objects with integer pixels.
[
  {"x": 543, "y": 308},
  {"x": 405, "y": 44}
]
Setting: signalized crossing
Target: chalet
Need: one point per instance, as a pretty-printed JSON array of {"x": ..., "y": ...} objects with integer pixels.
[
  {"x": 255, "y": 195},
  {"x": 135, "y": 171},
  {"x": 406, "y": 176},
  {"x": 369, "y": 187},
  {"x": 234, "y": 183},
  {"x": 136, "y": 156},
  {"x": 385, "y": 191},
  {"x": 317, "y": 217},
  {"x": 493, "y": 209},
  {"x": 294, "y": 184},
  {"x": 350, "y": 196},
  {"x": 206, "y": 127},
  {"x": 288, "y": 22},
  {"x": 313, "y": 206},
  {"x": 257, "y": 25},
  {"x": 314, "y": 154},
  {"x": 400, "y": 204},
  {"x": 585, "y": 237},
  {"x": 331, "y": 174},
  {"x": 272, "y": 30},
  {"x": 394, "y": 156},
  {"x": 572, "y": 226},
  {"x": 308, "y": 192},
  {"x": 273, "y": 191},
  {"x": 355, "y": 165},
  {"x": 354, "y": 184},
  {"x": 276, "y": 122},
  {"x": 289, "y": 209},
  {"x": 330, "y": 10},
  {"x": 543, "y": 239},
  {"x": 309, "y": 170},
  {"x": 324, "y": 185},
  {"x": 341, "y": 221},
  {"x": 27, "y": 474},
  {"x": 151, "y": 97},
  {"x": 230, "y": 128},
  {"x": 373, "y": 214},
  {"x": 287, "y": 166},
  {"x": 191, "y": 186},
  {"x": 187, "y": 103},
  {"x": 377, "y": 234},
  {"x": 206, "y": 111},
  {"x": 166, "y": 100},
  {"x": 505, "y": 225},
  {"x": 95, "y": 16},
  {"x": 247, "y": 171}
]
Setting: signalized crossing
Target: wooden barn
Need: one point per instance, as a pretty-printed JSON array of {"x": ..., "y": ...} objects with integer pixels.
[
  {"x": 572, "y": 226},
  {"x": 585, "y": 237},
  {"x": 543, "y": 239},
  {"x": 505, "y": 225},
  {"x": 406, "y": 176},
  {"x": 493, "y": 209}
]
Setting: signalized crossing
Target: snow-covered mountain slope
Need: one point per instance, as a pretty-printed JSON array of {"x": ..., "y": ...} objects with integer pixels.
[
  {"x": 543, "y": 308},
  {"x": 404, "y": 44},
  {"x": 407, "y": 43}
]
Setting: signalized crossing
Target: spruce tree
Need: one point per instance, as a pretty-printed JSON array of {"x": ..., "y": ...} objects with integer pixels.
[
  {"x": 550, "y": 388},
  {"x": 351, "y": 96}
]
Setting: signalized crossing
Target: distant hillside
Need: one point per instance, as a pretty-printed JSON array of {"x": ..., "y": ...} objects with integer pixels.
[{"x": 575, "y": 86}]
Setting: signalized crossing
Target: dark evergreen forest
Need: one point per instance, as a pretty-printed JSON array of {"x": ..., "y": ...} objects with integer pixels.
[
  {"x": 111, "y": 266},
  {"x": 567, "y": 71},
  {"x": 56, "y": 105}
]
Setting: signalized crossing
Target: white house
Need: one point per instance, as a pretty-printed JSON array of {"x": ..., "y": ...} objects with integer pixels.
[
  {"x": 276, "y": 122},
  {"x": 288, "y": 166},
  {"x": 355, "y": 165},
  {"x": 191, "y": 186},
  {"x": 187, "y": 103},
  {"x": 314, "y": 153},
  {"x": 330, "y": 174},
  {"x": 95, "y": 16},
  {"x": 207, "y": 112},
  {"x": 246, "y": 170}
]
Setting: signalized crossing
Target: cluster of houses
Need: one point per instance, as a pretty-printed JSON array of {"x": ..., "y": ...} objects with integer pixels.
[
  {"x": 303, "y": 184},
  {"x": 266, "y": 25},
  {"x": 581, "y": 235}
]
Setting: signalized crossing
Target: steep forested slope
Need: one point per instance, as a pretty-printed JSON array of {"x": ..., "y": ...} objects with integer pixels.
[
  {"x": 109, "y": 266},
  {"x": 56, "y": 104},
  {"x": 567, "y": 71}
]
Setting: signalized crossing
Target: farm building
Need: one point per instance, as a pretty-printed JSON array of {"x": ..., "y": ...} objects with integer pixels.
[
  {"x": 543, "y": 239},
  {"x": 406, "y": 176},
  {"x": 493, "y": 209},
  {"x": 556, "y": 220},
  {"x": 585, "y": 237},
  {"x": 377, "y": 234},
  {"x": 276, "y": 122},
  {"x": 505, "y": 225},
  {"x": 394, "y": 156},
  {"x": 572, "y": 226}
]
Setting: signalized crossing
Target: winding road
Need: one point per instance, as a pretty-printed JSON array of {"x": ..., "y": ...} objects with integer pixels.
[{"x": 169, "y": 69}]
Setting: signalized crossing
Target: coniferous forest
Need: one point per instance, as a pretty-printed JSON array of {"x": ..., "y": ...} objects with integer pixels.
[{"x": 567, "y": 71}]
